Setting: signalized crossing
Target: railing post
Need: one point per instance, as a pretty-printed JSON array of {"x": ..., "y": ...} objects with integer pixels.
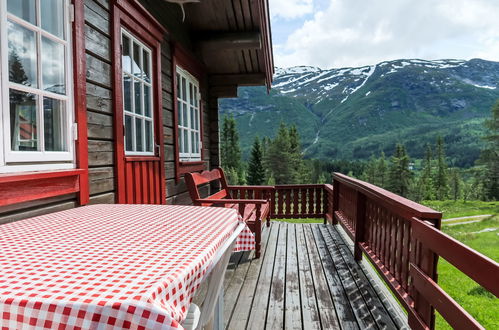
[
  {"x": 427, "y": 261},
  {"x": 359, "y": 225},
  {"x": 336, "y": 201}
]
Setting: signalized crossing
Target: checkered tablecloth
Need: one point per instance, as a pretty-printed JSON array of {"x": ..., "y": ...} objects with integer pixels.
[{"x": 109, "y": 266}]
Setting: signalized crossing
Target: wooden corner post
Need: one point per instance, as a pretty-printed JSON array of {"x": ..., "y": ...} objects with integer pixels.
[{"x": 336, "y": 201}]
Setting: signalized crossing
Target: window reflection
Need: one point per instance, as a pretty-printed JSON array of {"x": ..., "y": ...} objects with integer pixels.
[
  {"x": 22, "y": 55},
  {"x": 23, "y": 121},
  {"x": 24, "y": 9},
  {"x": 52, "y": 17},
  {"x": 53, "y": 66},
  {"x": 53, "y": 124}
]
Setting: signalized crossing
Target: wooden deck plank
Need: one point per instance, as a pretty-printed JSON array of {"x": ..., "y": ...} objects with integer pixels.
[
  {"x": 275, "y": 310},
  {"x": 309, "y": 308},
  {"x": 306, "y": 278},
  {"x": 344, "y": 312},
  {"x": 380, "y": 312},
  {"x": 326, "y": 305},
  {"x": 355, "y": 297},
  {"x": 236, "y": 283},
  {"x": 247, "y": 296},
  {"x": 292, "y": 314}
]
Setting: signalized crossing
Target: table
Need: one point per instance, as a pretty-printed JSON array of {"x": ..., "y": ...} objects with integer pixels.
[{"x": 110, "y": 266}]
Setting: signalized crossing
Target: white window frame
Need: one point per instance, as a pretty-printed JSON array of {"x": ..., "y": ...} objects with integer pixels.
[
  {"x": 143, "y": 82},
  {"x": 188, "y": 156},
  {"x": 18, "y": 161}
]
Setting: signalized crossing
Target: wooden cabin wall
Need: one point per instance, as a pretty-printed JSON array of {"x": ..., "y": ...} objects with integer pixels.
[
  {"x": 169, "y": 15},
  {"x": 100, "y": 114}
]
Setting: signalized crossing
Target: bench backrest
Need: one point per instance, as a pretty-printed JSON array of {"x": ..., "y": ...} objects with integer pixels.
[{"x": 194, "y": 180}]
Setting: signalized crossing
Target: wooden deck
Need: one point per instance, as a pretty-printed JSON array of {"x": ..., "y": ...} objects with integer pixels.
[{"x": 306, "y": 279}]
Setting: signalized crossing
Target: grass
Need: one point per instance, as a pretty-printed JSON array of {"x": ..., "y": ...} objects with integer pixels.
[
  {"x": 300, "y": 220},
  {"x": 477, "y": 301},
  {"x": 457, "y": 209}
]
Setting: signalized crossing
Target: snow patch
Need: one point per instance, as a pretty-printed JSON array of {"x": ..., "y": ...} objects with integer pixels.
[
  {"x": 483, "y": 86},
  {"x": 328, "y": 87},
  {"x": 367, "y": 94}
]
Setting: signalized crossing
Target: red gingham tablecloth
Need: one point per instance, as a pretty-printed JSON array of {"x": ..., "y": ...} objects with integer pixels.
[{"x": 109, "y": 266}]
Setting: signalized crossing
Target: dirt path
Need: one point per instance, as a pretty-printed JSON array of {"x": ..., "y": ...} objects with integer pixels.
[{"x": 470, "y": 219}]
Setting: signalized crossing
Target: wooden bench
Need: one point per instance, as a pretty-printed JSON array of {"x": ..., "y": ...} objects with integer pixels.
[{"x": 253, "y": 211}]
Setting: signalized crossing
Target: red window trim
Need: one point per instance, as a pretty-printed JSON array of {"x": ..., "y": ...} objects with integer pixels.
[
  {"x": 137, "y": 20},
  {"x": 184, "y": 59},
  {"x": 37, "y": 185}
]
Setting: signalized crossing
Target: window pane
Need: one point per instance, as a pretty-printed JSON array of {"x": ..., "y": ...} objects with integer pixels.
[
  {"x": 179, "y": 110},
  {"x": 128, "y": 133},
  {"x": 53, "y": 66},
  {"x": 147, "y": 101},
  {"x": 146, "y": 60},
  {"x": 191, "y": 94},
  {"x": 23, "y": 119},
  {"x": 186, "y": 141},
  {"x": 139, "y": 145},
  {"x": 127, "y": 93},
  {"x": 126, "y": 57},
  {"x": 136, "y": 60},
  {"x": 184, "y": 90},
  {"x": 138, "y": 97},
  {"x": 53, "y": 124},
  {"x": 184, "y": 115},
  {"x": 24, "y": 9},
  {"x": 148, "y": 133},
  {"x": 196, "y": 119},
  {"x": 193, "y": 118},
  {"x": 193, "y": 142},
  {"x": 196, "y": 96},
  {"x": 197, "y": 143},
  {"x": 53, "y": 17},
  {"x": 180, "y": 139},
  {"x": 22, "y": 55},
  {"x": 179, "y": 96}
]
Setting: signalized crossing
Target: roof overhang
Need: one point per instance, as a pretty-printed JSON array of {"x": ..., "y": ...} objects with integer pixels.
[{"x": 233, "y": 40}]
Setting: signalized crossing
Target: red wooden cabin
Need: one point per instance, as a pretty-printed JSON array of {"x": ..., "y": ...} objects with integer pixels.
[{"x": 126, "y": 103}]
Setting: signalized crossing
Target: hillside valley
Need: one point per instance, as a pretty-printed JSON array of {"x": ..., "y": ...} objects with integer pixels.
[{"x": 352, "y": 113}]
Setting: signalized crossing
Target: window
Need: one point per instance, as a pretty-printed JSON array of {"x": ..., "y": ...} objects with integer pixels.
[
  {"x": 36, "y": 84},
  {"x": 137, "y": 96},
  {"x": 188, "y": 112}
]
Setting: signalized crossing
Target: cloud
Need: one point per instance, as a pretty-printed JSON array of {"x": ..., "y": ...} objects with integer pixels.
[
  {"x": 290, "y": 9},
  {"x": 359, "y": 32}
]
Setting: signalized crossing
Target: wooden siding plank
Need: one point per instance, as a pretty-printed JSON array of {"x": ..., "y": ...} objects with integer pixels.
[
  {"x": 275, "y": 310},
  {"x": 327, "y": 306},
  {"x": 309, "y": 307},
  {"x": 292, "y": 315}
]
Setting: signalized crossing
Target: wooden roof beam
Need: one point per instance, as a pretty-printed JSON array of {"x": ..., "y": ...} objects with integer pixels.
[
  {"x": 230, "y": 41},
  {"x": 223, "y": 91},
  {"x": 249, "y": 79}
]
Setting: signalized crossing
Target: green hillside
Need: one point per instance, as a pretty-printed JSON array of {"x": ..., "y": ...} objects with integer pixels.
[{"x": 351, "y": 113}]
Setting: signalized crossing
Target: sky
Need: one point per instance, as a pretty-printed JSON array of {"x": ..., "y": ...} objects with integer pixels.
[{"x": 351, "y": 33}]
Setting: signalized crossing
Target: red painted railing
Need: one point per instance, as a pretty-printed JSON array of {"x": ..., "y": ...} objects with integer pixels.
[{"x": 403, "y": 241}]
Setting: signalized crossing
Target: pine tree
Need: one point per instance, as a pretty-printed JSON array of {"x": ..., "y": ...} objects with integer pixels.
[
  {"x": 371, "y": 172},
  {"x": 490, "y": 156},
  {"x": 256, "y": 170},
  {"x": 382, "y": 171},
  {"x": 425, "y": 182},
  {"x": 455, "y": 183},
  {"x": 231, "y": 151},
  {"x": 399, "y": 173},
  {"x": 441, "y": 180},
  {"x": 279, "y": 159}
]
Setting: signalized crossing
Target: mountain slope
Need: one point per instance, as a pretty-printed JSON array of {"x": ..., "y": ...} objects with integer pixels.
[{"x": 355, "y": 112}]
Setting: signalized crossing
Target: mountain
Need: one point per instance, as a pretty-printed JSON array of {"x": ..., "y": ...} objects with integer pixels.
[{"x": 352, "y": 113}]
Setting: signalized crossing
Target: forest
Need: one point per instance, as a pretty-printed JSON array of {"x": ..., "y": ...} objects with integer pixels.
[{"x": 280, "y": 160}]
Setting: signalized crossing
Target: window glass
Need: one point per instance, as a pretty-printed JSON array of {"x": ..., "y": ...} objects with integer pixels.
[
  {"x": 137, "y": 96},
  {"x": 53, "y": 121},
  {"x": 52, "y": 17},
  {"x": 24, "y": 9},
  {"x": 22, "y": 55},
  {"x": 128, "y": 133},
  {"x": 23, "y": 121},
  {"x": 53, "y": 66},
  {"x": 188, "y": 116}
]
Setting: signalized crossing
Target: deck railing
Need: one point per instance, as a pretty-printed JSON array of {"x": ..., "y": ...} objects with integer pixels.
[{"x": 402, "y": 240}]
